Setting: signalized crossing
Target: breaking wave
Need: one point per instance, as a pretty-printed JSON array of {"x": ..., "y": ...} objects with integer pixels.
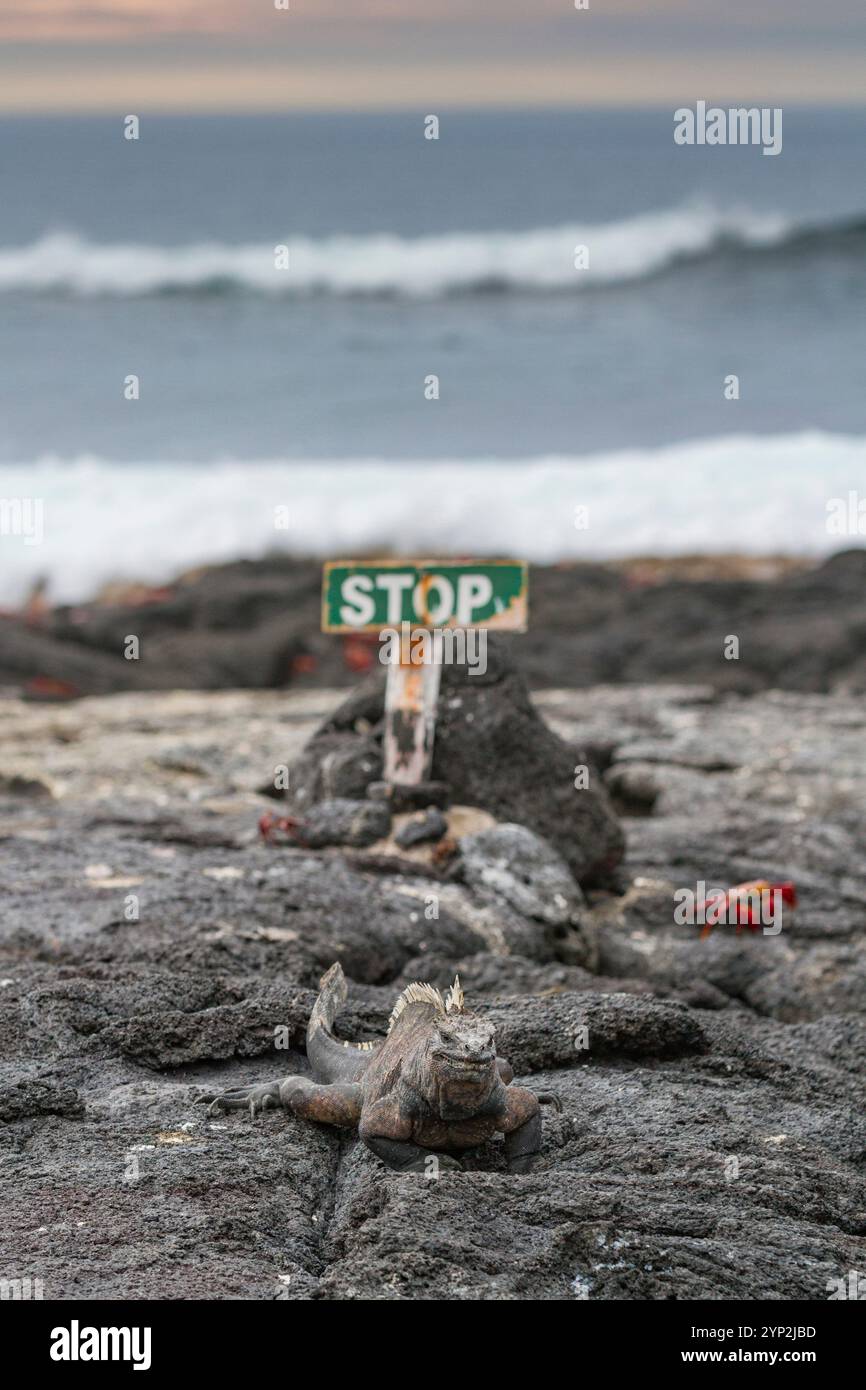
[
  {"x": 454, "y": 263},
  {"x": 103, "y": 520}
]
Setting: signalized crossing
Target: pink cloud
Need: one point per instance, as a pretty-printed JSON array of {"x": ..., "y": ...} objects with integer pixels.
[{"x": 81, "y": 20}]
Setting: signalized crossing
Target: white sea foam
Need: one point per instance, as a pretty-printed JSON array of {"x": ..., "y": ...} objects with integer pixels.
[
  {"x": 104, "y": 520},
  {"x": 542, "y": 259}
]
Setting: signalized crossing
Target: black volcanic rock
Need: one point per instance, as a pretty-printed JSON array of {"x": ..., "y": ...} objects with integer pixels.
[
  {"x": 712, "y": 1134},
  {"x": 491, "y": 749},
  {"x": 256, "y": 624}
]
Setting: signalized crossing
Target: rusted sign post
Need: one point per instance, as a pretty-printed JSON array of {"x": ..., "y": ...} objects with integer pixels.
[
  {"x": 411, "y": 695},
  {"x": 422, "y": 606}
]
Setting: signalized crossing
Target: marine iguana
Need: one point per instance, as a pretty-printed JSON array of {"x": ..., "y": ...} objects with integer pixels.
[{"x": 433, "y": 1086}]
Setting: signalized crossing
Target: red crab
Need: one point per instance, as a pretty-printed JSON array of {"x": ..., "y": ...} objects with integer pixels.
[
  {"x": 269, "y": 823},
  {"x": 359, "y": 653},
  {"x": 740, "y": 898}
]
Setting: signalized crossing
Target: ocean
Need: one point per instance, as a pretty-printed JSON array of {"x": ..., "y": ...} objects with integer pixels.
[{"x": 581, "y": 413}]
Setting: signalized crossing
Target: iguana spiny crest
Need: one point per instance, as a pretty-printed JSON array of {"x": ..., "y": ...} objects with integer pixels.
[{"x": 418, "y": 993}]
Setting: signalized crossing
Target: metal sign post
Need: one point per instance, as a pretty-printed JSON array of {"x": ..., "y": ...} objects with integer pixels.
[
  {"x": 411, "y": 695},
  {"x": 416, "y": 602}
]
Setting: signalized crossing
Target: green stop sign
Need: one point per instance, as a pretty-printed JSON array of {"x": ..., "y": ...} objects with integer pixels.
[{"x": 367, "y": 595}]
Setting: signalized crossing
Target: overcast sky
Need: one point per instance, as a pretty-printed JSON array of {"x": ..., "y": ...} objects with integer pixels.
[{"x": 216, "y": 55}]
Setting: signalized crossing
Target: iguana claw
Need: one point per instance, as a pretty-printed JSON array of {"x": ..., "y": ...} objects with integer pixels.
[
  {"x": 549, "y": 1098},
  {"x": 255, "y": 1098}
]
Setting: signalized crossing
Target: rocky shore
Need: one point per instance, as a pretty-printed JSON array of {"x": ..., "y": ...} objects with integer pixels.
[
  {"x": 255, "y": 624},
  {"x": 155, "y": 948}
]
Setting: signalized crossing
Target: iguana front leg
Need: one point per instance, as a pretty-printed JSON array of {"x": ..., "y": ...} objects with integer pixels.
[
  {"x": 521, "y": 1125},
  {"x": 339, "y": 1104},
  {"x": 389, "y": 1136},
  {"x": 405, "y": 1157}
]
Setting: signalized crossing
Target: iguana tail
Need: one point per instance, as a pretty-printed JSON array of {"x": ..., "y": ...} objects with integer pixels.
[{"x": 330, "y": 1058}]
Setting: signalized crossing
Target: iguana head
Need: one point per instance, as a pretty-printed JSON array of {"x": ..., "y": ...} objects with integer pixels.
[
  {"x": 455, "y": 1067},
  {"x": 463, "y": 1047}
]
